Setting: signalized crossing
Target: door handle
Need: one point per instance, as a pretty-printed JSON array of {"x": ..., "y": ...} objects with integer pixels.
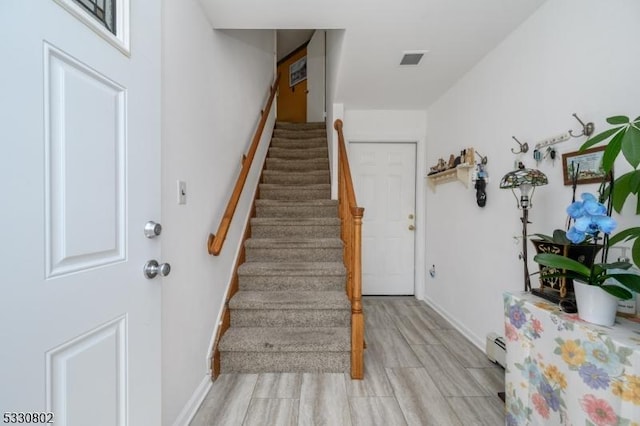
[
  {"x": 412, "y": 228},
  {"x": 152, "y": 268}
]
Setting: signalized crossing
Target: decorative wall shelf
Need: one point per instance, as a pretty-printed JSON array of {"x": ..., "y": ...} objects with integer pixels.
[{"x": 461, "y": 173}]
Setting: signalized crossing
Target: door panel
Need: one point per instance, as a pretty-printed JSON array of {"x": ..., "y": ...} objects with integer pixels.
[
  {"x": 80, "y": 326},
  {"x": 292, "y": 100},
  {"x": 77, "y": 391},
  {"x": 83, "y": 150},
  {"x": 384, "y": 180}
]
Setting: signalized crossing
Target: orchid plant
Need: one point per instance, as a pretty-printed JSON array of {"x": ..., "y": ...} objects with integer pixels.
[{"x": 590, "y": 221}]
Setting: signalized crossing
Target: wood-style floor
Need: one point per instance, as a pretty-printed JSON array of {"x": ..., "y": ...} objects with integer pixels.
[{"x": 418, "y": 371}]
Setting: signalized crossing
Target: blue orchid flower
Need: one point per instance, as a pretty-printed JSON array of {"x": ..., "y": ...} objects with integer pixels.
[
  {"x": 575, "y": 210},
  {"x": 594, "y": 224},
  {"x": 595, "y": 208},
  {"x": 588, "y": 206},
  {"x": 590, "y": 218},
  {"x": 575, "y": 236}
]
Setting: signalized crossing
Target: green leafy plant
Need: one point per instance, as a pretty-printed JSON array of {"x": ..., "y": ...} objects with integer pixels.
[
  {"x": 598, "y": 274},
  {"x": 624, "y": 138},
  {"x": 559, "y": 237}
]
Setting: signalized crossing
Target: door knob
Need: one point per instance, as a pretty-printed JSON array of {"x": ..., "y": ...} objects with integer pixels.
[
  {"x": 411, "y": 227},
  {"x": 152, "y": 229},
  {"x": 410, "y": 216},
  {"x": 153, "y": 268}
]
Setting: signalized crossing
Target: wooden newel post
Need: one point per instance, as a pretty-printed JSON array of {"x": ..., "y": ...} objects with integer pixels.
[{"x": 357, "y": 318}]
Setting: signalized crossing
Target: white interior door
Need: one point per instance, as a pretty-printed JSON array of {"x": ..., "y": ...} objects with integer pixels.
[
  {"x": 315, "y": 78},
  {"x": 384, "y": 180},
  {"x": 80, "y": 165}
]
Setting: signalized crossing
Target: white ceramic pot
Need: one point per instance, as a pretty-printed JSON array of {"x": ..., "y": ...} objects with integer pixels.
[{"x": 594, "y": 304}]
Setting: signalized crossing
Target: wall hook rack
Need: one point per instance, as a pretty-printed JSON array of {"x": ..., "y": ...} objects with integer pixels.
[
  {"x": 587, "y": 129},
  {"x": 524, "y": 147}
]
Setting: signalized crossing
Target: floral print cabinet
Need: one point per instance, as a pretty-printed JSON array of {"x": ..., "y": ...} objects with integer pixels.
[{"x": 564, "y": 371}]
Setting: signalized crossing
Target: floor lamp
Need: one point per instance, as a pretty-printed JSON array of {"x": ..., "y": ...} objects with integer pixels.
[{"x": 525, "y": 180}]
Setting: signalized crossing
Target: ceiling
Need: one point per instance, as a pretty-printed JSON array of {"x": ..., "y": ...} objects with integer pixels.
[
  {"x": 456, "y": 33},
  {"x": 290, "y": 40}
]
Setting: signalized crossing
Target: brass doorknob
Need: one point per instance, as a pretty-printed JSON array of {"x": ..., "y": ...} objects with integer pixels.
[{"x": 411, "y": 227}]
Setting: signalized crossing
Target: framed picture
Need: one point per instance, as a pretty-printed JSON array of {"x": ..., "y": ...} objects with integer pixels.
[
  {"x": 298, "y": 71},
  {"x": 588, "y": 164}
]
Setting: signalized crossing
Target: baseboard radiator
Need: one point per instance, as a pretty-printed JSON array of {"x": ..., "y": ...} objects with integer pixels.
[{"x": 496, "y": 349}]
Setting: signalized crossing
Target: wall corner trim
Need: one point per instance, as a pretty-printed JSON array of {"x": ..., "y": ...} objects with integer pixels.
[
  {"x": 191, "y": 407},
  {"x": 475, "y": 340}
]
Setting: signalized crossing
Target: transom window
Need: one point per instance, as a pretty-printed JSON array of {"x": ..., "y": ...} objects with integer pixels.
[{"x": 102, "y": 10}]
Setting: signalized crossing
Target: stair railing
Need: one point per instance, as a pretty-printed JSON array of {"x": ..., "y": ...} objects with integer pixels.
[
  {"x": 351, "y": 234},
  {"x": 215, "y": 242}
]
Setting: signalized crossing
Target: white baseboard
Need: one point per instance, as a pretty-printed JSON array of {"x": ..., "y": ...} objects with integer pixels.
[
  {"x": 475, "y": 340},
  {"x": 191, "y": 407}
]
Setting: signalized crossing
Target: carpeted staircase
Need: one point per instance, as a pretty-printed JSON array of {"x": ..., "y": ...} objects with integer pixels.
[{"x": 291, "y": 313}]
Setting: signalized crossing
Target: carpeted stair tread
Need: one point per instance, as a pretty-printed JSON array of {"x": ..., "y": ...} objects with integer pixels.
[
  {"x": 298, "y": 153},
  {"x": 305, "y": 221},
  {"x": 301, "y": 126},
  {"x": 297, "y": 164},
  {"x": 311, "y": 191},
  {"x": 279, "y": 177},
  {"x": 294, "y": 173},
  {"x": 299, "y": 133},
  {"x": 316, "y": 142},
  {"x": 297, "y": 243},
  {"x": 291, "y": 300},
  {"x": 293, "y": 249},
  {"x": 285, "y": 362},
  {"x": 289, "y": 203},
  {"x": 297, "y": 208},
  {"x": 266, "y": 227},
  {"x": 292, "y": 269},
  {"x": 310, "y": 186},
  {"x": 268, "y": 283},
  {"x": 286, "y": 339},
  {"x": 290, "y": 308}
]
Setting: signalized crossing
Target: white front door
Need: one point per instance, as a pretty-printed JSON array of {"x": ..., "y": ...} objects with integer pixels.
[
  {"x": 384, "y": 180},
  {"x": 80, "y": 169}
]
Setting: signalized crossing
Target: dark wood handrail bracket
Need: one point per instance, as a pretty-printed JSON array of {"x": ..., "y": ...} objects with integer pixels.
[
  {"x": 215, "y": 242},
  {"x": 351, "y": 234}
]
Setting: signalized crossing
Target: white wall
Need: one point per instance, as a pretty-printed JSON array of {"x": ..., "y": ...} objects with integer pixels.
[
  {"x": 571, "y": 56},
  {"x": 335, "y": 109},
  {"x": 396, "y": 126},
  {"x": 214, "y": 86},
  {"x": 315, "y": 77}
]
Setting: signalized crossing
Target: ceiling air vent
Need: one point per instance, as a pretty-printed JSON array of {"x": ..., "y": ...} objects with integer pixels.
[{"x": 412, "y": 57}]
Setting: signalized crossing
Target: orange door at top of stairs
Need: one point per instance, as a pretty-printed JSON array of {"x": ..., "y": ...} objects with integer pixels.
[{"x": 292, "y": 101}]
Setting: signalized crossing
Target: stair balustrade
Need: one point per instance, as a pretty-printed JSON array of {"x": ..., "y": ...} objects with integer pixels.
[
  {"x": 351, "y": 234},
  {"x": 215, "y": 242}
]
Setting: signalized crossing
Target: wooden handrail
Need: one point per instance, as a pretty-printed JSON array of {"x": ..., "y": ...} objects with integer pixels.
[
  {"x": 351, "y": 194},
  {"x": 351, "y": 234},
  {"x": 215, "y": 242}
]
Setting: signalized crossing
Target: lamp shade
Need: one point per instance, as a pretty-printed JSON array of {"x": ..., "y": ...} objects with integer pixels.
[
  {"x": 520, "y": 177},
  {"x": 525, "y": 180}
]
